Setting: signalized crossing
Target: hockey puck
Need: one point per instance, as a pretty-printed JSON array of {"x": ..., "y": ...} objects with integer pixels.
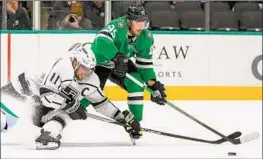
[{"x": 232, "y": 153}]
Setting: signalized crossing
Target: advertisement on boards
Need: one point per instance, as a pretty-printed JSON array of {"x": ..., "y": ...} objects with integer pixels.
[{"x": 186, "y": 64}]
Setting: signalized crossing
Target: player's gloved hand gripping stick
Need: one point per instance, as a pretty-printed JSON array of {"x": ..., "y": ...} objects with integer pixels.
[{"x": 241, "y": 140}]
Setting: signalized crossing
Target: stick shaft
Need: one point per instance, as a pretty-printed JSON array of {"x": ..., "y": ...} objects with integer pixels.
[{"x": 160, "y": 132}]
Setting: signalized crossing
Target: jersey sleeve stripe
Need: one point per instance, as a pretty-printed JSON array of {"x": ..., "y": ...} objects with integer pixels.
[
  {"x": 143, "y": 59},
  {"x": 106, "y": 33},
  {"x": 144, "y": 63},
  {"x": 143, "y": 66},
  {"x": 52, "y": 76},
  {"x": 57, "y": 103},
  {"x": 99, "y": 104},
  {"x": 105, "y": 36},
  {"x": 47, "y": 100},
  {"x": 58, "y": 77},
  {"x": 67, "y": 80},
  {"x": 47, "y": 77}
]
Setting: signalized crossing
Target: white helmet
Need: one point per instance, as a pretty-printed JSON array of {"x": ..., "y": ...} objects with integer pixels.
[{"x": 83, "y": 54}]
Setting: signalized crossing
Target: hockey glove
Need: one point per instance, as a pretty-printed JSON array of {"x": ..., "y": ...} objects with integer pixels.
[
  {"x": 75, "y": 110},
  {"x": 121, "y": 65},
  {"x": 159, "y": 94},
  {"x": 132, "y": 126}
]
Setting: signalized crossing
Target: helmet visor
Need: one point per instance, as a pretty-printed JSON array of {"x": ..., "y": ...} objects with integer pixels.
[{"x": 141, "y": 23}]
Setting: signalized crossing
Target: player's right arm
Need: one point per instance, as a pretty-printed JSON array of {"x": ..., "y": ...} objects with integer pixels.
[
  {"x": 104, "y": 44},
  {"x": 56, "y": 79},
  {"x": 102, "y": 105}
]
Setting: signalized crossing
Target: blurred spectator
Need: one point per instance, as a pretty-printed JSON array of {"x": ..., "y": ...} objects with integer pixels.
[
  {"x": 59, "y": 11},
  {"x": 28, "y": 5},
  {"x": 17, "y": 17},
  {"x": 68, "y": 15},
  {"x": 0, "y": 15},
  {"x": 76, "y": 20},
  {"x": 260, "y": 4},
  {"x": 95, "y": 11},
  {"x": 231, "y": 4},
  {"x": 47, "y": 3},
  {"x": 119, "y": 8}
]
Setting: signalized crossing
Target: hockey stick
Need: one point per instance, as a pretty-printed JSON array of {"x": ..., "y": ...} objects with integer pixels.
[
  {"x": 68, "y": 91},
  {"x": 219, "y": 141},
  {"x": 244, "y": 139}
]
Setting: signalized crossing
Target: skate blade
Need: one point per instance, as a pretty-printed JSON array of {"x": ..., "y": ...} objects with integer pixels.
[
  {"x": 49, "y": 146},
  {"x": 133, "y": 141}
]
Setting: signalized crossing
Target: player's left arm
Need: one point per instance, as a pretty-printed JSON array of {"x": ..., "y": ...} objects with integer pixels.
[
  {"x": 92, "y": 92},
  {"x": 102, "y": 105},
  {"x": 144, "y": 64}
]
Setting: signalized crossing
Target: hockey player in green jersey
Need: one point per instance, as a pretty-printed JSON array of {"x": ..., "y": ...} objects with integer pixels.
[{"x": 114, "y": 46}]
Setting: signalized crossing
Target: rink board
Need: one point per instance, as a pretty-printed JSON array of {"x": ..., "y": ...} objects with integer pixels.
[{"x": 192, "y": 65}]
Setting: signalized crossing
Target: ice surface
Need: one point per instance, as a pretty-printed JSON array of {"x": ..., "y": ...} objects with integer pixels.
[{"x": 95, "y": 139}]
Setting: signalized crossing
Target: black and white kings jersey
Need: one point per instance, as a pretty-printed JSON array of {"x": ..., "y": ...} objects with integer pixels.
[
  {"x": 60, "y": 78},
  {"x": 61, "y": 75}
]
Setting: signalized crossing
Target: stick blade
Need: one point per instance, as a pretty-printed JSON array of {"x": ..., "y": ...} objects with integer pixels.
[
  {"x": 249, "y": 137},
  {"x": 231, "y": 136}
]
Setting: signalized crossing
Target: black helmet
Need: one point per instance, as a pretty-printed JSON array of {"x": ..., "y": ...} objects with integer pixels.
[{"x": 136, "y": 12}]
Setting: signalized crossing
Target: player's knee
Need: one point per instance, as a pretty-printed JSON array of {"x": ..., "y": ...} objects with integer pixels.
[
  {"x": 131, "y": 85},
  {"x": 38, "y": 112},
  {"x": 58, "y": 115}
]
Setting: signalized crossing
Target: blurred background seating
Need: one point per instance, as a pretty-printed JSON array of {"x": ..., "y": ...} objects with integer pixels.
[{"x": 163, "y": 15}]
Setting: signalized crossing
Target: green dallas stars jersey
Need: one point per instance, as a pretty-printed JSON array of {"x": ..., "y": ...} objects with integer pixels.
[{"x": 113, "y": 39}]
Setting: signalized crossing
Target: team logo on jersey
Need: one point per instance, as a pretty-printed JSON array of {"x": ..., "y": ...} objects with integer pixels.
[
  {"x": 120, "y": 25},
  {"x": 69, "y": 92}
]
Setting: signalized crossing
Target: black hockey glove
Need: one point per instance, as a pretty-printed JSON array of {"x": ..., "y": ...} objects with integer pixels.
[
  {"x": 132, "y": 126},
  {"x": 75, "y": 110},
  {"x": 121, "y": 65},
  {"x": 159, "y": 94}
]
